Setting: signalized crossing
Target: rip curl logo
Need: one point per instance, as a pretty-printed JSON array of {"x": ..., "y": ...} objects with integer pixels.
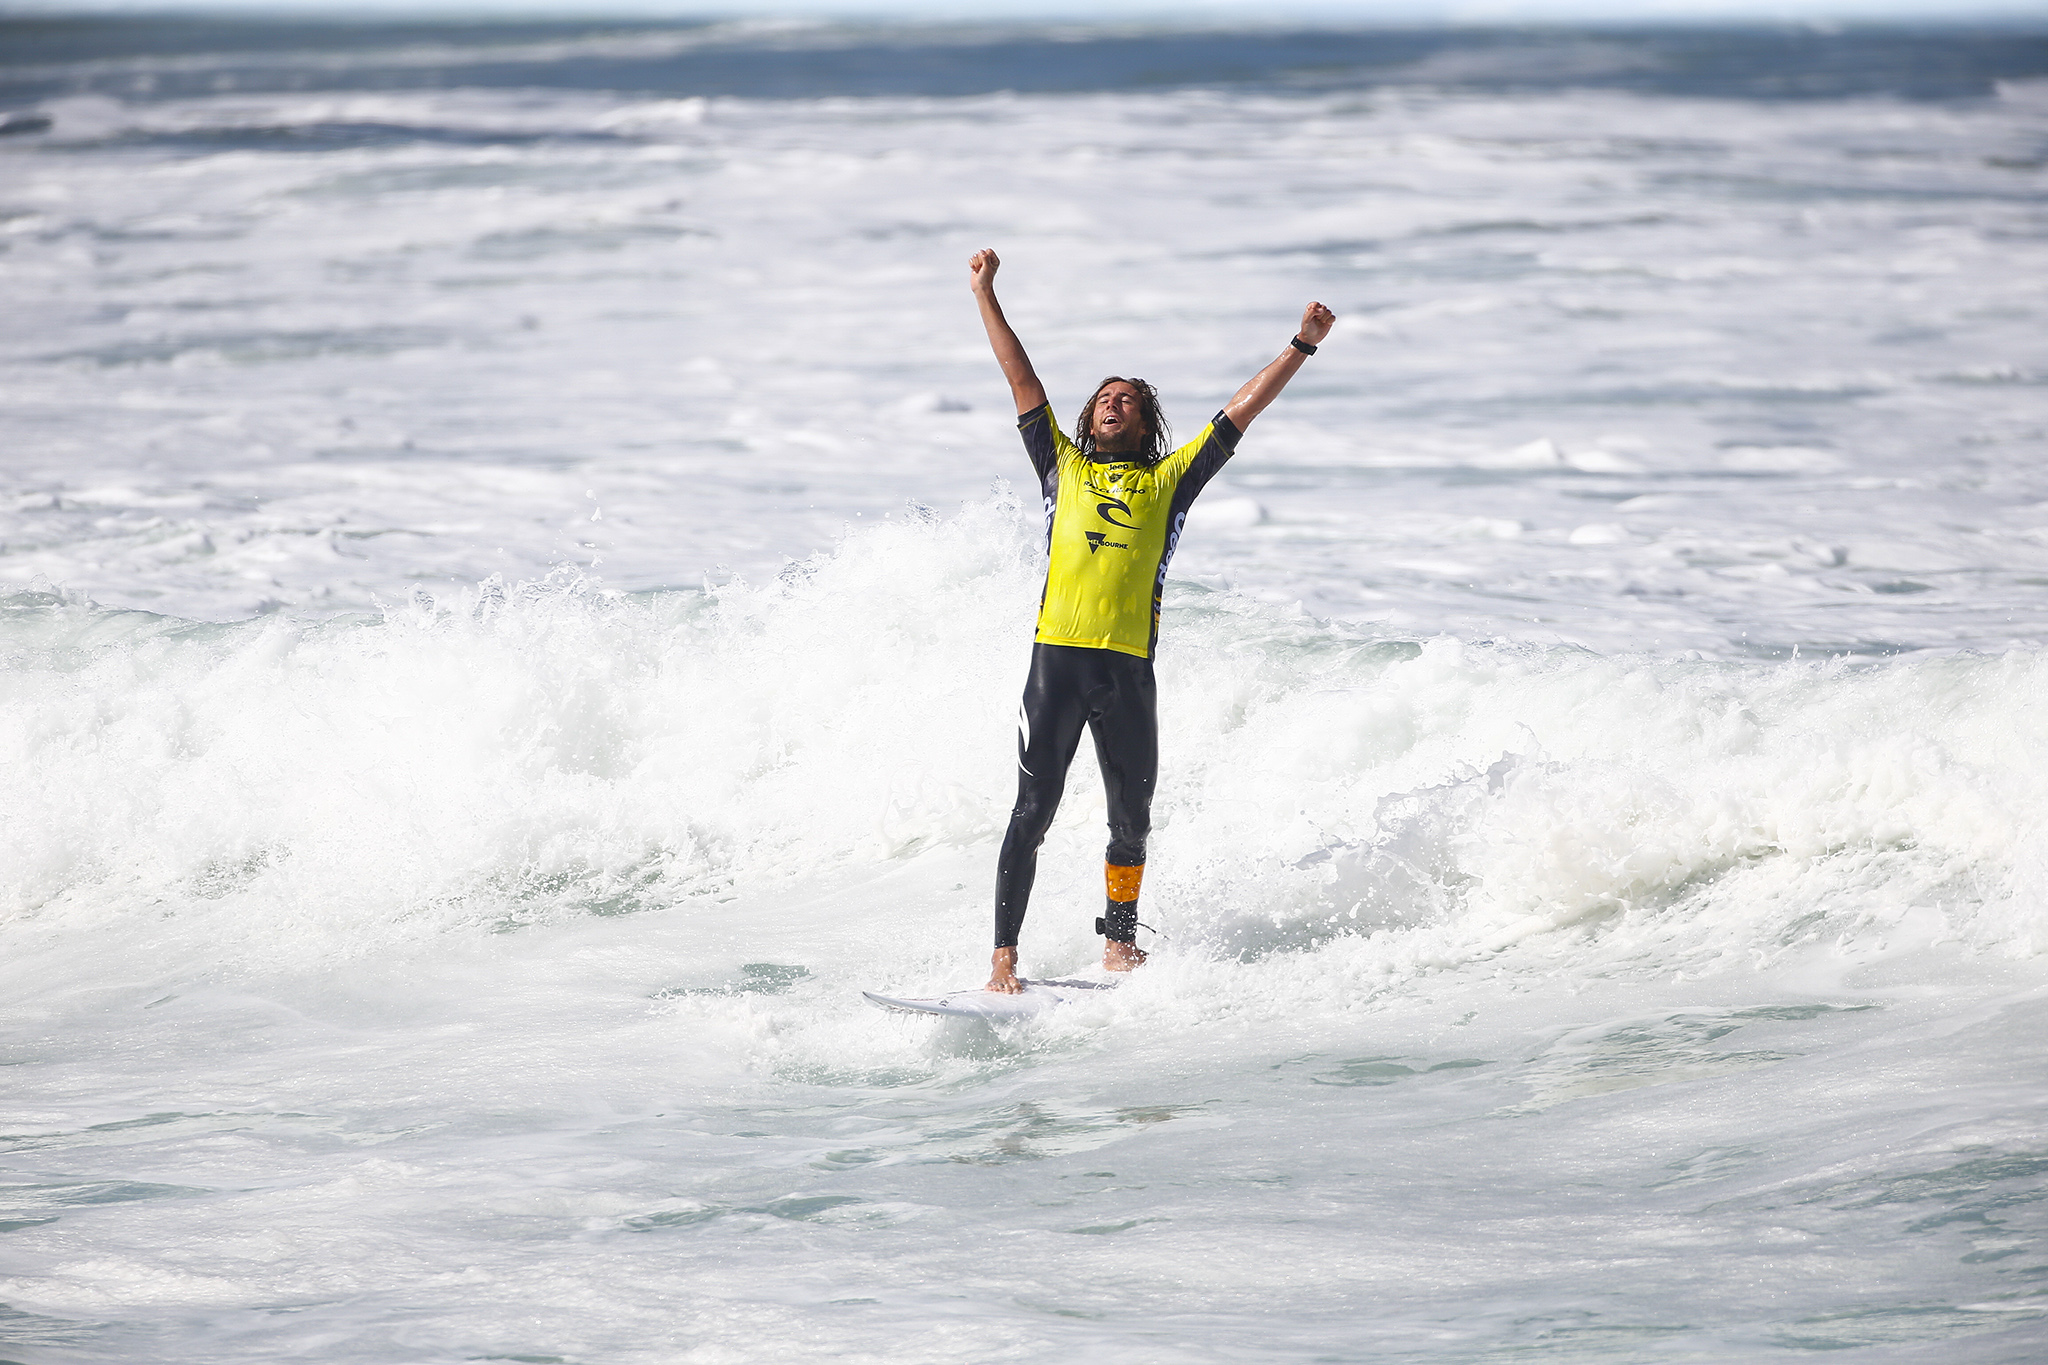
[
  {"x": 1098, "y": 540},
  {"x": 1111, "y": 503}
]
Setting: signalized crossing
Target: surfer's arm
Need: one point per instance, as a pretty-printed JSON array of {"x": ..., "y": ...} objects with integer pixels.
[
  {"x": 1265, "y": 386},
  {"x": 1024, "y": 385}
]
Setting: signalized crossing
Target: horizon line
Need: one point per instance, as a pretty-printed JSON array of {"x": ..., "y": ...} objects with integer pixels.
[{"x": 1147, "y": 15}]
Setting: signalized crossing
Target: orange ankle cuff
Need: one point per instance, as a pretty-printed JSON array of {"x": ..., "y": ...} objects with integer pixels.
[{"x": 1123, "y": 881}]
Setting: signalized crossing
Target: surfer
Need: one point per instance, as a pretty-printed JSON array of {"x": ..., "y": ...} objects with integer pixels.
[{"x": 1116, "y": 498}]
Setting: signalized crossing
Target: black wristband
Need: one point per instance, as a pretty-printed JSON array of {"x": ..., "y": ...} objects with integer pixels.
[{"x": 1298, "y": 344}]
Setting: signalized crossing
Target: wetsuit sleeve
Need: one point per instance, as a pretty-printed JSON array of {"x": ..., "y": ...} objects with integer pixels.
[
  {"x": 1197, "y": 462},
  {"x": 1042, "y": 441},
  {"x": 1047, "y": 446}
]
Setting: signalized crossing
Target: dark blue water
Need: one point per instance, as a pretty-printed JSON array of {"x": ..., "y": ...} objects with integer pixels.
[{"x": 144, "y": 58}]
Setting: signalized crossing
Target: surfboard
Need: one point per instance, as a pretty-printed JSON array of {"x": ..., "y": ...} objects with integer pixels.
[{"x": 1036, "y": 998}]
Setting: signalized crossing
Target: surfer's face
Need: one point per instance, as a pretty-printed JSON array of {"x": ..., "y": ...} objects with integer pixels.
[{"x": 1119, "y": 418}]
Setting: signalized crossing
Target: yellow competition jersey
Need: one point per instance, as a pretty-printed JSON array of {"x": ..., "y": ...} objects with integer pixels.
[{"x": 1112, "y": 526}]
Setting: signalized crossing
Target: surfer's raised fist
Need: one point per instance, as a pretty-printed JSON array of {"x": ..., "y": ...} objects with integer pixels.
[
  {"x": 1316, "y": 322},
  {"x": 982, "y": 265}
]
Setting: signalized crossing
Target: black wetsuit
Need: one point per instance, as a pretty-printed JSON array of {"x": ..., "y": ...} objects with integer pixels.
[{"x": 1113, "y": 695}]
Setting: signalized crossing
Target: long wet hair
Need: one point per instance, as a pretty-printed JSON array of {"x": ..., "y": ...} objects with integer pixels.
[{"x": 1157, "y": 434}]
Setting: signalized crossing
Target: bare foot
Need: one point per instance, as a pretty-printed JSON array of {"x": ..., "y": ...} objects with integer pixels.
[
  {"x": 1002, "y": 975},
  {"x": 1121, "y": 957}
]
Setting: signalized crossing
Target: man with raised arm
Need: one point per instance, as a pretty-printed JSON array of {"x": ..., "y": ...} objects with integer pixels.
[{"x": 1115, "y": 501}]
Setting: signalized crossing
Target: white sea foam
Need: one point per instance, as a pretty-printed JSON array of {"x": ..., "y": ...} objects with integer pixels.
[
  {"x": 612, "y": 867},
  {"x": 285, "y": 792}
]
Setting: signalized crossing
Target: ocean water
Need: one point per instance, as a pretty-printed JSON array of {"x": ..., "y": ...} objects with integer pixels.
[{"x": 513, "y": 591}]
